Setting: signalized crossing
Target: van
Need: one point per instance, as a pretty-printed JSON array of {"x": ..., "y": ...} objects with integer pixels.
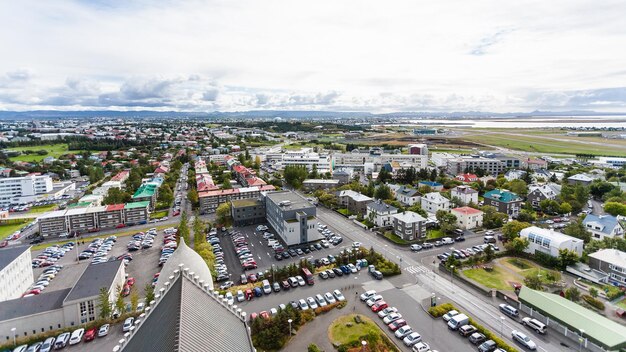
[
  {"x": 534, "y": 324},
  {"x": 509, "y": 310},
  {"x": 270, "y": 243},
  {"x": 457, "y": 321},
  {"x": 447, "y": 240},
  {"x": 267, "y": 289},
  {"x": 489, "y": 239},
  {"x": 458, "y": 232}
]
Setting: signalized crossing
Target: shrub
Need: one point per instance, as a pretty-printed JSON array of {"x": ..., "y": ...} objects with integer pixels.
[
  {"x": 326, "y": 308},
  {"x": 341, "y": 304},
  {"x": 438, "y": 311},
  {"x": 596, "y": 303},
  {"x": 313, "y": 348},
  {"x": 612, "y": 292}
]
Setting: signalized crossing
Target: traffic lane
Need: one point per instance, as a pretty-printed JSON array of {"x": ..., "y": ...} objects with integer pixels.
[
  {"x": 347, "y": 284},
  {"x": 434, "y": 332}
]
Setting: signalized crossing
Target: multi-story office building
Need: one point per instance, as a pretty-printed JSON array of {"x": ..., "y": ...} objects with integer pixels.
[
  {"x": 23, "y": 189},
  {"x": 210, "y": 200},
  {"x": 247, "y": 211},
  {"x": 16, "y": 273},
  {"x": 421, "y": 149},
  {"x": 292, "y": 217},
  {"x": 473, "y": 163},
  {"x": 306, "y": 157},
  {"x": 315, "y": 184}
]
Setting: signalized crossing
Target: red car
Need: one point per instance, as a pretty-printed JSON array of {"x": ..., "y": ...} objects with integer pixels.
[
  {"x": 253, "y": 316},
  {"x": 252, "y": 278},
  {"x": 34, "y": 292},
  {"x": 90, "y": 334},
  {"x": 176, "y": 213},
  {"x": 126, "y": 290},
  {"x": 393, "y": 326},
  {"x": 130, "y": 281},
  {"x": 4, "y": 244},
  {"x": 378, "y": 306},
  {"x": 119, "y": 226},
  {"x": 265, "y": 315}
]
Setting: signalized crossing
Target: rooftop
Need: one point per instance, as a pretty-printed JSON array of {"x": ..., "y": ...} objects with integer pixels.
[
  {"x": 606, "y": 222},
  {"x": 503, "y": 196},
  {"x": 296, "y": 200},
  {"x": 145, "y": 190},
  {"x": 25, "y": 306},
  {"x": 597, "y": 328},
  {"x": 549, "y": 233},
  {"x": 356, "y": 196},
  {"x": 611, "y": 256},
  {"x": 467, "y": 211},
  {"x": 320, "y": 181},
  {"x": 381, "y": 207},
  {"x": 409, "y": 217},
  {"x": 134, "y": 205},
  {"x": 9, "y": 254},
  {"x": 93, "y": 278},
  {"x": 246, "y": 203}
]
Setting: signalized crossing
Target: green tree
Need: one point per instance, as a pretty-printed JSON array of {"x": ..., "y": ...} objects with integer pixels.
[
  {"x": 383, "y": 192},
  {"x": 517, "y": 245},
  {"x": 533, "y": 282},
  {"x": 526, "y": 216},
  {"x": 573, "y": 294},
  {"x": 294, "y": 175},
  {"x": 447, "y": 221},
  {"x": 104, "y": 305},
  {"x": 593, "y": 292},
  {"x": 598, "y": 189},
  {"x": 313, "y": 348},
  {"x": 134, "y": 298},
  {"x": 192, "y": 195},
  {"x": 489, "y": 253},
  {"x": 518, "y": 187},
  {"x": 550, "y": 206},
  {"x": 565, "y": 208},
  {"x": 119, "y": 300},
  {"x": 183, "y": 228},
  {"x": 384, "y": 176},
  {"x": 566, "y": 258},
  {"x": 223, "y": 214},
  {"x": 492, "y": 218},
  {"x": 512, "y": 229},
  {"x": 577, "y": 229},
  {"x": 615, "y": 208},
  {"x": 148, "y": 291}
]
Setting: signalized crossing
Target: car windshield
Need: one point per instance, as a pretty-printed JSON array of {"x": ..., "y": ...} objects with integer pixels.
[{"x": 525, "y": 338}]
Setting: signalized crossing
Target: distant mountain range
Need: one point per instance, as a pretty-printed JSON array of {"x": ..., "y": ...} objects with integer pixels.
[{"x": 264, "y": 114}]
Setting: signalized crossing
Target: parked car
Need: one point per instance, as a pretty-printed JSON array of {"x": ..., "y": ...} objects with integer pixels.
[
  {"x": 103, "y": 331},
  {"x": 488, "y": 346},
  {"x": 61, "y": 341},
  {"x": 477, "y": 338},
  {"x": 127, "y": 324},
  {"x": 467, "y": 330},
  {"x": 90, "y": 334},
  {"x": 48, "y": 345},
  {"x": 509, "y": 310},
  {"x": 412, "y": 338},
  {"x": 524, "y": 340}
]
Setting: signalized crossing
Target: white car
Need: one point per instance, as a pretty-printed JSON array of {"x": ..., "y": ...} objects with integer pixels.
[
  {"x": 352, "y": 268},
  {"x": 329, "y": 298},
  {"x": 338, "y": 295},
  {"x": 103, "y": 331},
  {"x": 301, "y": 281},
  {"x": 356, "y": 244},
  {"x": 403, "y": 331},
  {"x": 302, "y": 304},
  {"x": 370, "y": 302},
  {"x": 391, "y": 318},
  {"x": 127, "y": 324},
  {"x": 421, "y": 347},
  {"x": 229, "y": 298},
  {"x": 77, "y": 336},
  {"x": 320, "y": 300},
  {"x": 367, "y": 294},
  {"x": 383, "y": 313},
  {"x": 312, "y": 303},
  {"x": 412, "y": 338},
  {"x": 523, "y": 340},
  {"x": 449, "y": 315},
  {"x": 240, "y": 296}
]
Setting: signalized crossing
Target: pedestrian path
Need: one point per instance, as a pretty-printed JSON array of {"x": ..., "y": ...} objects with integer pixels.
[{"x": 414, "y": 269}]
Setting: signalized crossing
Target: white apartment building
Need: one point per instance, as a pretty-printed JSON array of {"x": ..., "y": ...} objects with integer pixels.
[
  {"x": 550, "y": 241},
  {"x": 23, "y": 189},
  {"x": 306, "y": 157},
  {"x": 465, "y": 194},
  {"x": 431, "y": 202},
  {"x": 16, "y": 273},
  {"x": 468, "y": 218}
]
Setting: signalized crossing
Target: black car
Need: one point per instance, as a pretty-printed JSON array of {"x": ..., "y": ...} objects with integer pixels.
[
  {"x": 338, "y": 271},
  {"x": 306, "y": 250},
  {"x": 460, "y": 239},
  {"x": 286, "y": 255},
  {"x": 36, "y": 240},
  {"x": 278, "y": 257}
]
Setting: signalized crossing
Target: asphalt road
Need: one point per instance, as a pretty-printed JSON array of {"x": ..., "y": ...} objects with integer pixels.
[{"x": 484, "y": 309}]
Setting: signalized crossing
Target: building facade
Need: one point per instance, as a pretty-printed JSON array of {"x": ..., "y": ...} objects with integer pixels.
[
  {"x": 407, "y": 195},
  {"x": 537, "y": 193},
  {"x": 16, "y": 190},
  {"x": 409, "y": 225},
  {"x": 611, "y": 262},
  {"x": 465, "y": 194},
  {"x": 210, "y": 200},
  {"x": 16, "y": 273},
  {"x": 355, "y": 202},
  {"x": 292, "y": 217},
  {"x": 431, "y": 202},
  {"x": 247, "y": 211},
  {"x": 550, "y": 242},
  {"x": 381, "y": 213},
  {"x": 603, "y": 226},
  {"x": 504, "y": 201},
  {"x": 315, "y": 184},
  {"x": 468, "y": 218}
]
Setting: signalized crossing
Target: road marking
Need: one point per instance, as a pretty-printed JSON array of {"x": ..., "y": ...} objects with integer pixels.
[{"x": 414, "y": 269}]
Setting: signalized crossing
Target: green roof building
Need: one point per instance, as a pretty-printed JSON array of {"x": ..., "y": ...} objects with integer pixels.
[
  {"x": 601, "y": 331},
  {"x": 146, "y": 192},
  {"x": 505, "y": 201}
]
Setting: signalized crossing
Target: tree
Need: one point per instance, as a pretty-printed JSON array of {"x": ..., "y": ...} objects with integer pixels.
[
  {"x": 492, "y": 218},
  {"x": 226, "y": 182},
  {"x": 447, "y": 221},
  {"x": 533, "y": 282},
  {"x": 550, "y": 206},
  {"x": 577, "y": 229},
  {"x": 489, "y": 254},
  {"x": 313, "y": 174},
  {"x": 526, "y": 216},
  {"x": 565, "y": 208},
  {"x": 119, "y": 300},
  {"x": 615, "y": 208},
  {"x": 512, "y": 229},
  {"x": 104, "y": 305},
  {"x": 294, "y": 175},
  {"x": 192, "y": 195},
  {"x": 598, "y": 189},
  {"x": 257, "y": 162},
  {"x": 593, "y": 292},
  {"x": 573, "y": 294},
  {"x": 134, "y": 299},
  {"x": 149, "y": 293},
  {"x": 223, "y": 214},
  {"x": 518, "y": 187},
  {"x": 313, "y": 348},
  {"x": 384, "y": 176},
  {"x": 566, "y": 258},
  {"x": 517, "y": 245},
  {"x": 383, "y": 192}
]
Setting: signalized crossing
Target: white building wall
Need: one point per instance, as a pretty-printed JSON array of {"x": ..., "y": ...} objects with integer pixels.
[
  {"x": 550, "y": 242},
  {"x": 16, "y": 277}
]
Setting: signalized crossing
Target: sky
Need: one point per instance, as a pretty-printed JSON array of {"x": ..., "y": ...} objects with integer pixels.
[{"x": 337, "y": 55}]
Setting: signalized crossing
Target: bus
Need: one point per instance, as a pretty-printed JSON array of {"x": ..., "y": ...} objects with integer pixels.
[{"x": 308, "y": 276}]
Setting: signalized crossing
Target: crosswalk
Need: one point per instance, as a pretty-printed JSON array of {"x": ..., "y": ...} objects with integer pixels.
[{"x": 414, "y": 269}]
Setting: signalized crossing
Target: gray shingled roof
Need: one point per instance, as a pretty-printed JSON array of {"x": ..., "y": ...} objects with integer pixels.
[
  {"x": 93, "y": 278},
  {"x": 188, "y": 319},
  {"x": 9, "y": 254},
  {"x": 43, "y": 302}
]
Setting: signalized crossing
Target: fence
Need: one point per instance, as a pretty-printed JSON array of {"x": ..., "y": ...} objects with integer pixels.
[{"x": 561, "y": 329}]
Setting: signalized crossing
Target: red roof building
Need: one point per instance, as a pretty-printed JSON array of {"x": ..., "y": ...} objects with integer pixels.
[{"x": 467, "y": 178}]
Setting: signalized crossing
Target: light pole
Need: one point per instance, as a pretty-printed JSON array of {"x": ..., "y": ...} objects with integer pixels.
[
  {"x": 451, "y": 273},
  {"x": 289, "y": 321},
  {"x": 580, "y": 345},
  {"x": 501, "y": 326},
  {"x": 364, "y": 344},
  {"x": 14, "y": 337}
]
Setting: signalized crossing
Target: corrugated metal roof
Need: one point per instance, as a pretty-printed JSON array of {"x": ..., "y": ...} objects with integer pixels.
[{"x": 134, "y": 205}]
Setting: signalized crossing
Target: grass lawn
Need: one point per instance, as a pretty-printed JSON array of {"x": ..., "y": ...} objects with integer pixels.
[
  {"x": 432, "y": 234},
  {"x": 42, "y": 209},
  {"x": 344, "y": 211},
  {"x": 498, "y": 278},
  {"x": 340, "y": 332},
  {"x": 158, "y": 214},
  {"x": 118, "y": 234},
  {"x": 622, "y": 304},
  {"x": 8, "y": 229},
  {"x": 395, "y": 239},
  {"x": 54, "y": 150},
  {"x": 527, "y": 268}
]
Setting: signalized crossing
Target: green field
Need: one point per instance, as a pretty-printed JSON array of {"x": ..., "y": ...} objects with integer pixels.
[
  {"x": 498, "y": 278},
  {"x": 42, "y": 209},
  {"x": 158, "y": 214},
  {"x": 543, "y": 143},
  {"x": 54, "y": 150},
  {"x": 8, "y": 229}
]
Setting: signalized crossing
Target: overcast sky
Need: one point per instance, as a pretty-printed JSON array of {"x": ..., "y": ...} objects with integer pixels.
[{"x": 378, "y": 56}]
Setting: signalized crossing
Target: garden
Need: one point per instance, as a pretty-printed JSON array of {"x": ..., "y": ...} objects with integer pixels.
[
  {"x": 348, "y": 331},
  {"x": 504, "y": 272}
]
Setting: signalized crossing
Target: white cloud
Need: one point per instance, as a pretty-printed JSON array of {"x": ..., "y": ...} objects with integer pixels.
[{"x": 352, "y": 55}]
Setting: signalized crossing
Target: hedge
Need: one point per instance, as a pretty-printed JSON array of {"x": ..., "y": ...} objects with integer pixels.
[
  {"x": 596, "y": 303},
  {"x": 440, "y": 310}
]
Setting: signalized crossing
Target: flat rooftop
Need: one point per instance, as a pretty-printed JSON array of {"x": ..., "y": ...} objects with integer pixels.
[
  {"x": 9, "y": 254},
  {"x": 93, "y": 278},
  {"x": 296, "y": 200}
]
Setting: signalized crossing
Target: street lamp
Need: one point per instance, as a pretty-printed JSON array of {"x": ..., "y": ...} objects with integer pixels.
[
  {"x": 14, "y": 337},
  {"x": 451, "y": 273},
  {"x": 580, "y": 345},
  {"x": 501, "y": 326},
  {"x": 290, "y": 321},
  {"x": 364, "y": 344}
]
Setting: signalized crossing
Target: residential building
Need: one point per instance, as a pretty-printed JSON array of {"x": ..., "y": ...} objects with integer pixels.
[
  {"x": 537, "y": 193},
  {"x": 16, "y": 273},
  {"x": 465, "y": 194},
  {"x": 64, "y": 308},
  {"x": 409, "y": 225},
  {"x": 611, "y": 262},
  {"x": 407, "y": 195},
  {"x": 210, "y": 200},
  {"x": 420, "y": 149},
  {"x": 505, "y": 201},
  {"x": 315, "y": 184},
  {"x": 603, "y": 226},
  {"x": 121, "y": 176},
  {"x": 435, "y": 186},
  {"x": 136, "y": 213},
  {"x": 247, "y": 211},
  {"x": 467, "y": 178},
  {"x": 582, "y": 179},
  {"x": 355, "y": 202},
  {"x": 431, "y": 202},
  {"x": 381, "y": 213},
  {"x": 292, "y": 217},
  {"x": 185, "y": 309},
  {"x": 550, "y": 242},
  {"x": 468, "y": 218},
  {"x": 344, "y": 176},
  {"x": 23, "y": 189},
  {"x": 514, "y": 175},
  {"x": 473, "y": 163},
  {"x": 146, "y": 192}
]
